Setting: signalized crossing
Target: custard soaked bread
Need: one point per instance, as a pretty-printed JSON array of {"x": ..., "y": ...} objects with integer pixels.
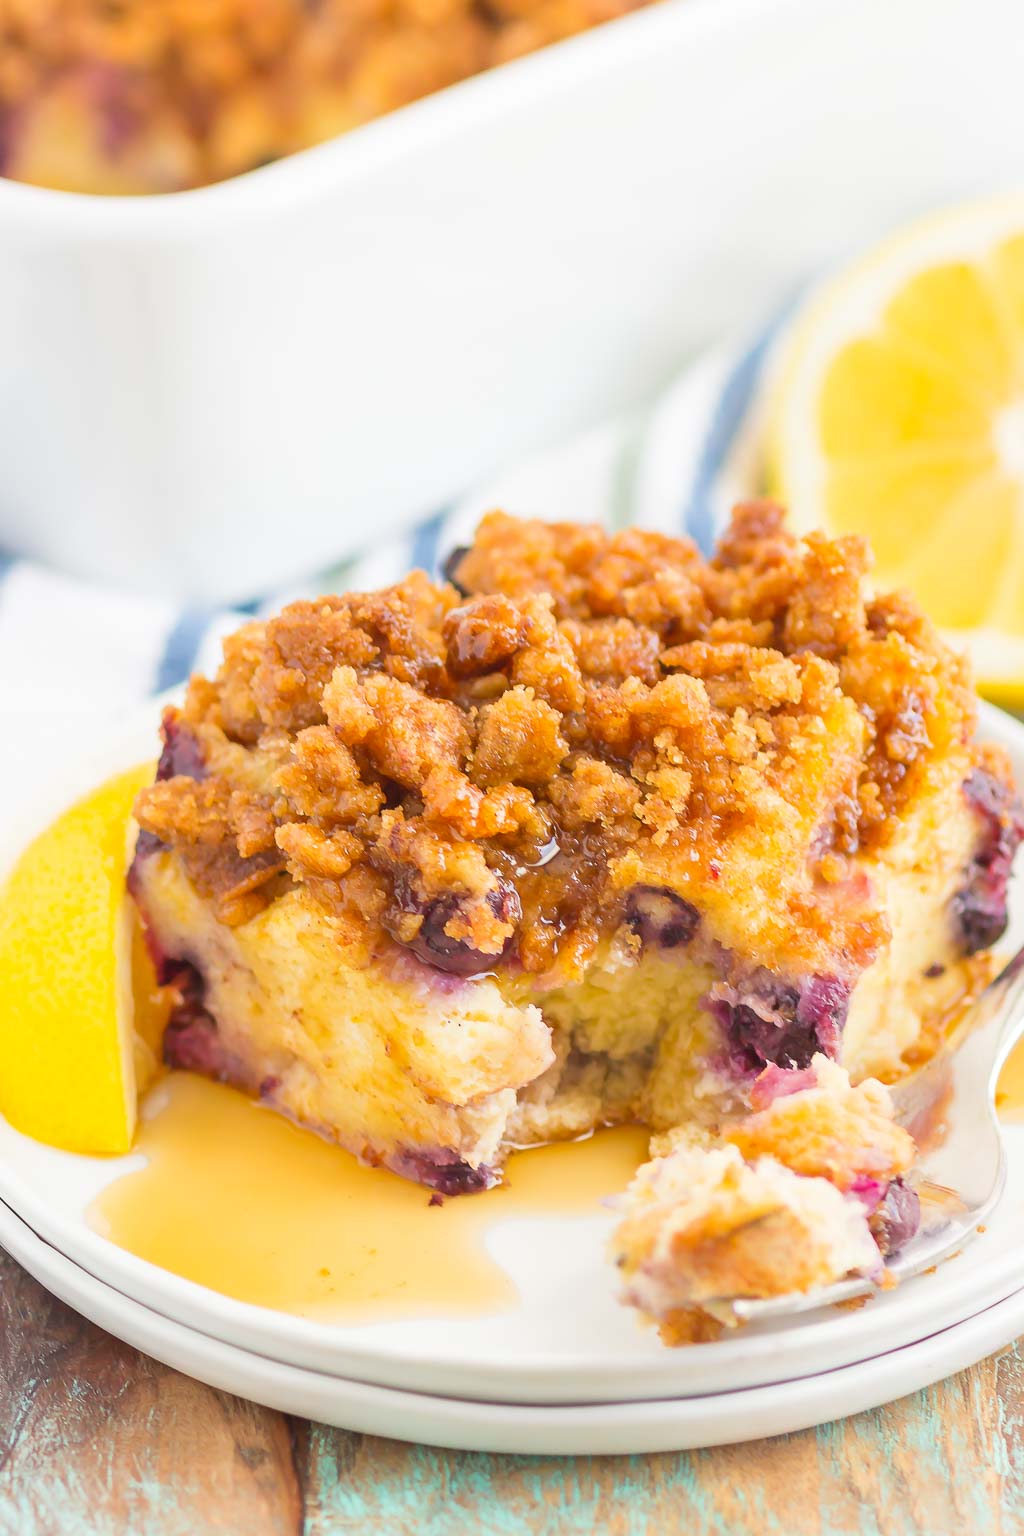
[
  {"x": 596, "y": 831},
  {"x": 811, "y": 1187}
]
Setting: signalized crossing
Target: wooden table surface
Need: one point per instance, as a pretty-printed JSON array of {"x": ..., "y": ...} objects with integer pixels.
[{"x": 97, "y": 1440}]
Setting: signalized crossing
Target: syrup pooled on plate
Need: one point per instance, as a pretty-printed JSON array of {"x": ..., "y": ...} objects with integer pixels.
[{"x": 239, "y": 1199}]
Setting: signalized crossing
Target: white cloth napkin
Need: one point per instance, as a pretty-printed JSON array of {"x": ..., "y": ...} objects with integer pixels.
[{"x": 75, "y": 657}]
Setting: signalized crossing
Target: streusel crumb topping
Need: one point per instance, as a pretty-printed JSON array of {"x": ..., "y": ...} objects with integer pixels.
[{"x": 480, "y": 769}]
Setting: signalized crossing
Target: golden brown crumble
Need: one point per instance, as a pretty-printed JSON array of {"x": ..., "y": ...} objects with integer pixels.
[
  {"x": 158, "y": 95},
  {"x": 587, "y": 712}
]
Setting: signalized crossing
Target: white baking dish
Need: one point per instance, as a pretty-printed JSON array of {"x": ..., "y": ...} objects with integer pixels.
[{"x": 212, "y": 392}]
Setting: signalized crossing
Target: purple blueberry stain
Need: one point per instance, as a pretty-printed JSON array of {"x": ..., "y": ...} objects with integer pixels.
[
  {"x": 191, "y": 1042},
  {"x": 168, "y": 968},
  {"x": 180, "y": 757},
  {"x": 193, "y": 1047},
  {"x": 441, "y": 1171},
  {"x": 896, "y": 1218},
  {"x": 769, "y": 1022},
  {"x": 660, "y": 918},
  {"x": 980, "y": 907},
  {"x": 437, "y": 948},
  {"x": 779, "y": 1083},
  {"x": 869, "y": 1191},
  {"x": 146, "y": 844}
]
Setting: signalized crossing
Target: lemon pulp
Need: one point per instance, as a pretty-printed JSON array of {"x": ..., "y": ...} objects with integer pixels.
[{"x": 899, "y": 415}]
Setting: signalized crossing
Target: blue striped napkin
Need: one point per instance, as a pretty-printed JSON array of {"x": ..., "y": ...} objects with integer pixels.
[{"x": 74, "y": 658}]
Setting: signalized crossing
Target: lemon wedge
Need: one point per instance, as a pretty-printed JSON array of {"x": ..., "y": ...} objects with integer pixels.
[
  {"x": 898, "y": 413},
  {"x": 67, "y": 1045}
]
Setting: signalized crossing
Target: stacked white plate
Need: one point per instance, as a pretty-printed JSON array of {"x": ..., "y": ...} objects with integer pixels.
[{"x": 564, "y": 1370}]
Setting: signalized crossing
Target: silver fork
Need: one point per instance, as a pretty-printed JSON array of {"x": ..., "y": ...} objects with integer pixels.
[{"x": 968, "y": 1168}]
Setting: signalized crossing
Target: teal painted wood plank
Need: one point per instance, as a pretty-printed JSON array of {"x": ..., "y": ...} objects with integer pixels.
[
  {"x": 1008, "y": 1446},
  {"x": 950, "y": 1459},
  {"x": 382, "y": 1487}
]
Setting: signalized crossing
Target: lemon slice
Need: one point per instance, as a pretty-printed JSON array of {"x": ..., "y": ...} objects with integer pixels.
[
  {"x": 67, "y": 1046},
  {"x": 898, "y": 413}
]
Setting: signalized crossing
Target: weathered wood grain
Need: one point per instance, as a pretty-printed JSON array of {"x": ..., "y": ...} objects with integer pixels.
[
  {"x": 98, "y": 1440},
  {"x": 950, "y": 1459}
]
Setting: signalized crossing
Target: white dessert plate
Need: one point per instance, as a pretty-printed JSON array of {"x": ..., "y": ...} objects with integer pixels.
[
  {"x": 567, "y": 1340},
  {"x": 520, "y": 1429}
]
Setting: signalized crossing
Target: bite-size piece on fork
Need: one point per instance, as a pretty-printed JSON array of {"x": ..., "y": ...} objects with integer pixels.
[{"x": 809, "y": 1188}]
